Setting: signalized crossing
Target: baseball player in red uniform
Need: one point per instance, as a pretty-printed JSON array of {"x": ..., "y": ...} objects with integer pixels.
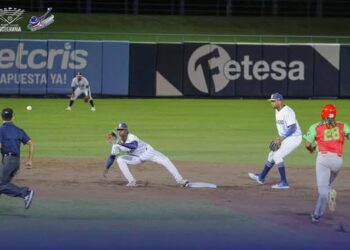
[{"x": 329, "y": 136}]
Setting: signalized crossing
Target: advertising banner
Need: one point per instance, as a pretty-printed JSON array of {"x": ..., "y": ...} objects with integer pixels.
[
  {"x": 115, "y": 70},
  {"x": 274, "y": 69},
  {"x": 142, "y": 69},
  {"x": 326, "y": 63},
  {"x": 61, "y": 67},
  {"x": 31, "y": 60},
  {"x": 345, "y": 71},
  {"x": 169, "y": 73},
  {"x": 92, "y": 70},
  {"x": 301, "y": 72},
  {"x": 9, "y": 67}
]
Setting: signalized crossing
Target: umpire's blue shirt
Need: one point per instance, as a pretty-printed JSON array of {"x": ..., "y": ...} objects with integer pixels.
[{"x": 11, "y": 138}]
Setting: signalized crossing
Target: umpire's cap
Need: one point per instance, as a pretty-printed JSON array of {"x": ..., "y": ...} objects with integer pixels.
[
  {"x": 122, "y": 126},
  {"x": 7, "y": 114}
]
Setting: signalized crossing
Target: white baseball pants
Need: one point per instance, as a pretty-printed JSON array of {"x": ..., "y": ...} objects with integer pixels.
[
  {"x": 79, "y": 91},
  {"x": 151, "y": 155},
  {"x": 288, "y": 146},
  {"x": 327, "y": 167}
]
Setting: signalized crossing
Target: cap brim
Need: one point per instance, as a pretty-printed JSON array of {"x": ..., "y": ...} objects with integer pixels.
[{"x": 270, "y": 100}]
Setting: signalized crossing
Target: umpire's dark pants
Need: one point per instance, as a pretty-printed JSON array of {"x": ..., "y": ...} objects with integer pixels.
[{"x": 8, "y": 169}]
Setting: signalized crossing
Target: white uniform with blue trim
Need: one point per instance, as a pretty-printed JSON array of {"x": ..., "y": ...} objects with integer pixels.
[
  {"x": 143, "y": 152},
  {"x": 285, "y": 118}
]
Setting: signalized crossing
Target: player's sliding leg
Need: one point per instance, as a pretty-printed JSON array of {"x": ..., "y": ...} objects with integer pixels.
[{"x": 161, "y": 159}]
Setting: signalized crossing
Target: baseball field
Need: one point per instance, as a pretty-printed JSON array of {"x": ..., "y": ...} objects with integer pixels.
[{"x": 210, "y": 140}]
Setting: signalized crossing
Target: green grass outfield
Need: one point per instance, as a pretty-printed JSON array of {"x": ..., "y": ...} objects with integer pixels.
[
  {"x": 194, "y": 130},
  {"x": 187, "y": 28}
]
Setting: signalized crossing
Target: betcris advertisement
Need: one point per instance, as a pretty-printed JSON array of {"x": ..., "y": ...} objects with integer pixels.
[{"x": 44, "y": 67}]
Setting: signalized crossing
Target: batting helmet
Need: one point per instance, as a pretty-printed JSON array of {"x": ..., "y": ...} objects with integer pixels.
[{"x": 329, "y": 111}]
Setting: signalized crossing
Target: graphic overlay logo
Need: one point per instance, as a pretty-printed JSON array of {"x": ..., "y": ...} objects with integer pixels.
[
  {"x": 8, "y": 17},
  {"x": 205, "y": 68},
  {"x": 38, "y": 23}
]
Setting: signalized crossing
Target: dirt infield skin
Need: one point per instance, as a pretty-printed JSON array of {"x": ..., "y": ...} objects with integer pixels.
[{"x": 82, "y": 178}]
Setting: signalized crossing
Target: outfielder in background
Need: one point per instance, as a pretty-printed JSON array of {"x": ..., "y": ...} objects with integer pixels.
[
  {"x": 80, "y": 85},
  {"x": 329, "y": 136},
  {"x": 137, "y": 152},
  {"x": 288, "y": 139}
]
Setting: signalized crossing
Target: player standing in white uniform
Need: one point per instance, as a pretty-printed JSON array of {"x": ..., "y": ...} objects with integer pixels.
[
  {"x": 289, "y": 133},
  {"x": 137, "y": 152},
  {"x": 80, "y": 85}
]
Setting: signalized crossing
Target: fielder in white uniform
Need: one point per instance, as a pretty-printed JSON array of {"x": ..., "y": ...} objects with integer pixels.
[
  {"x": 289, "y": 133},
  {"x": 80, "y": 85},
  {"x": 137, "y": 152}
]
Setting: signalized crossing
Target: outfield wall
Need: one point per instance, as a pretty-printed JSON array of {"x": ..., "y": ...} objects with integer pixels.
[{"x": 46, "y": 67}]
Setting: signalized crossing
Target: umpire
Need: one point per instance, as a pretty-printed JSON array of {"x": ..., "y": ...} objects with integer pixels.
[{"x": 10, "y": 139}]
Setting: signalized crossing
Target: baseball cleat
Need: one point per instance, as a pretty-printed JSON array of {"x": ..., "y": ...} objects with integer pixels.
[
  {"x": 93, "y": 109},
  {"x": 281, "y": 185},
  {"x": 28, "y": 199},
  {"x": 68, "y": 108},
  {"x": 314, "y": 218},
  {"x": 137, "y": 184},
  {"x": 183, "y": 183},
  {"x": 256, "y": 178},
  {"x": 331, "y": 200},
  {"x": 132, "y": 184}
]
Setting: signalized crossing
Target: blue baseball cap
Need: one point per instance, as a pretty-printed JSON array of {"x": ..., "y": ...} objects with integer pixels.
[
  {"x": 7, "y": 113},
  {"x": 122, "y": 126},
  {"x": 276, "y": 97}
]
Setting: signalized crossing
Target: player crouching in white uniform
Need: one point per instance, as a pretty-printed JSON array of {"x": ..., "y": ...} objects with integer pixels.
[
  {"x": 80, "y": 85},
  {"x": 137, "y": 152},
  {"x": 290, "y": 137}
]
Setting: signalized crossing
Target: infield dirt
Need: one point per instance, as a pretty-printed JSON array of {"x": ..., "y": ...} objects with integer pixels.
[{"x": 57, "y": 178}]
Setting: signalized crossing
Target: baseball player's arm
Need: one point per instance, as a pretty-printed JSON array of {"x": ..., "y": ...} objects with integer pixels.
[
  {"x": 291, "y": 129},
  {"x": 25, "y": 139},
  {"x": 108, "y": 164},
  {"x": 310, "y": 139},
  {"x": 347, "y": 130},
  {"x": 87, "y": 84},
  {"x": 132, "y": 145},
  {"x": 28, "y": 163},
  {"x": 123, "y": 148}
]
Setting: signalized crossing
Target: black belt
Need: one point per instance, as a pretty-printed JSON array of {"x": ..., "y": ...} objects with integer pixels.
[{"x": 10, "y": 154}]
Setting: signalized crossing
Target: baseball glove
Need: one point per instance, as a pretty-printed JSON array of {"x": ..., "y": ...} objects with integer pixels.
[
  {"x": 311, "y": 148},
  {"x": 86, "y": 98},
  {"x": 113, "y": 138},
  {"x": 275, "y": 144}
]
